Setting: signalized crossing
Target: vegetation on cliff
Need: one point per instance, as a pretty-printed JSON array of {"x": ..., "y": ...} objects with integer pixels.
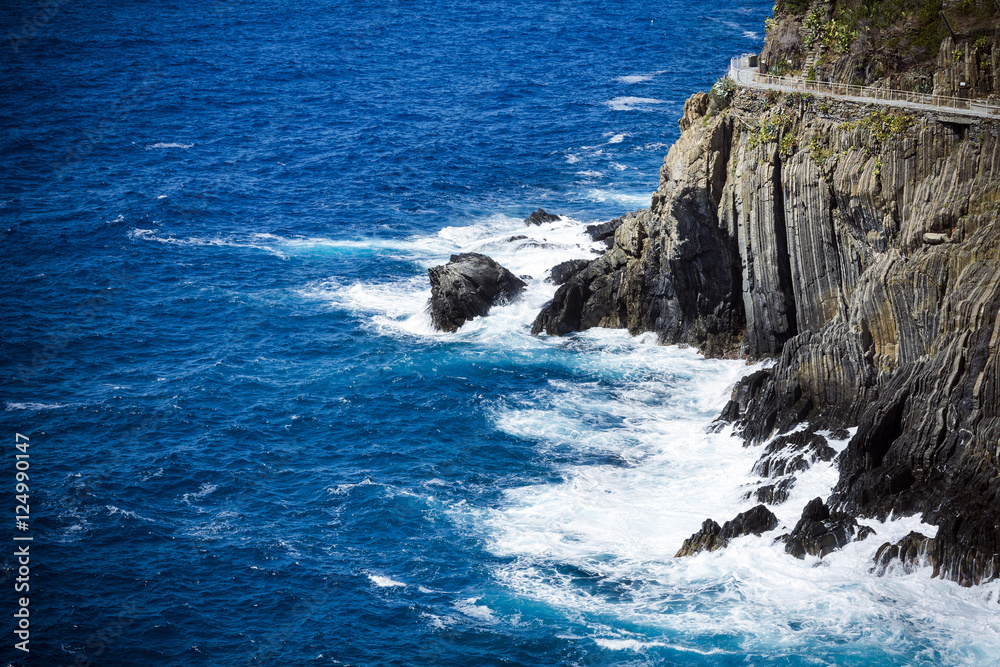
[{"x": 945, "y": 47}]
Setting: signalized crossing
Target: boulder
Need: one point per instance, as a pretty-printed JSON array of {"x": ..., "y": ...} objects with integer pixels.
[
  {"x": 752, "y": 522},
  {"x": 540, "y": 217},
  {"x": 467, "y": 287}
]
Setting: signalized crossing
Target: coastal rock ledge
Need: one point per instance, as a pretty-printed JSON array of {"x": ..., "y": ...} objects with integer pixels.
[
  {"x": 858, "y": 248},
  {"x": 467, "y": 287}
]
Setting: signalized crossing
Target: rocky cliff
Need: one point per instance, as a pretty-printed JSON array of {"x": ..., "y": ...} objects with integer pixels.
[{"x": 859, "y": 247}]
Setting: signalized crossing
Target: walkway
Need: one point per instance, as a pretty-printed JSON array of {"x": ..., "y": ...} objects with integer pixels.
[{"x": 741, "y": 72}]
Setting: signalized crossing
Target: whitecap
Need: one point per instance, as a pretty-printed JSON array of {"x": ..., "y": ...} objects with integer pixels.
[
  {"x": 625, "y": 644},
  {"x": 632, "y": 103},
  {"x": 469, "y": 608},
  {"x": 341, "y": 489},
  {"x": 204, "y": 490},
  {"x": 629, "y": 199},
  {"x": 384, "y": 582},
  {"x": 11, "y": 405},
  {"x": 438, "y": 622},
  {"x": 168, "y": 145},
  {"x": 639, "y": 78}
]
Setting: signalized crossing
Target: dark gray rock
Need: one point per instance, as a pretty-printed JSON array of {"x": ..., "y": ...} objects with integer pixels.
[
  {"x": 706, "y": 539},
  {"x": 604, "y": 232},
  {"x": 467, "y": 287},
  {"x": 910, "y": 553},
  {"x": 540, "y": 217},
  {"x": 772, "y": 494},
  {"x": 711, "y": 537},
  {"x": 752, "y": 522},
  {"x": 820, "y": 532},
  {"x": 560, "y": 273}
]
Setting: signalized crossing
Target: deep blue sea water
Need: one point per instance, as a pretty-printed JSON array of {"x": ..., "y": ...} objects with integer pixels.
[{"x": 247, "y": 445}]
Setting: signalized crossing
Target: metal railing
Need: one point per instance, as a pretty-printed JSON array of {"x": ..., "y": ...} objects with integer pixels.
[{"x": 740, "y": 72}]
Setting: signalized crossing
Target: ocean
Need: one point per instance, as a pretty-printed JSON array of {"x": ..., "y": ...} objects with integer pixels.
[{"x": 244, "y": 444}]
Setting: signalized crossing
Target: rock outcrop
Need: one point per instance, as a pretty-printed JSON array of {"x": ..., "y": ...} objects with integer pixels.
[
  {"x": 821, "y": 531},
  {"x": 605, "y": 231},
  {"x": 540, "y": 217},
  {"x": 467, "y": 287},
  {"x": 673, "y": 268},
  {"x": 859, "y": 248},
  {"x": 711, "y": 537},
  {"x": 562, "y": 272},
  {"x": 909, "y": 553}
]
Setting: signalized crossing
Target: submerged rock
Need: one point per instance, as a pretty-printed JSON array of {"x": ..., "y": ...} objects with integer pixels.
[
  {"x": 540, "y": 217},
  {"x": 711, "y": 537},
  {"x": 467, "y": 287}
]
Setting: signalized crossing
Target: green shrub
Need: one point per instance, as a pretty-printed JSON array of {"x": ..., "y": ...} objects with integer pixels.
[
  {"x": 818, "y": 153},
  {"x": 884, "y": 124},
  {"x": 794, "y": 7},
  {"x": 813, "y": 27},
  {"x": 769, "y": 130},
  {"x": 721, "y": 93}
]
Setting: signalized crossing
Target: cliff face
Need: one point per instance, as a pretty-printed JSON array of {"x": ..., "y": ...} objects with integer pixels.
[{"x": 860, "y": 248}]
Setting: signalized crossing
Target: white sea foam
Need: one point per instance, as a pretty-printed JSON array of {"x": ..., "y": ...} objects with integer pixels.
[
  {"x": 619, "y": 520},
  {"x": 204, "y": 490},
  {"x": 11, "y": 405},
  {"x": 475, "y": 611},
  {"x": 340, "y": 489},
  {"x": 628, "y": 199},
  {"x": 639, "y": 78},
  {"x": 253, "y": 241},
  {"x": 168, "y": 145},
  {"x": 625, "y": 644},
  {"x": 632, "y": 103},
  {"x": 384, "y": 582},
  {"x": 438, "y": 622},
  {"x": 616, "y": 139}
]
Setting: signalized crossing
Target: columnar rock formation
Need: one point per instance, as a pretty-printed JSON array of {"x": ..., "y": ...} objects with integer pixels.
[{"x": 858, "y": 247}]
